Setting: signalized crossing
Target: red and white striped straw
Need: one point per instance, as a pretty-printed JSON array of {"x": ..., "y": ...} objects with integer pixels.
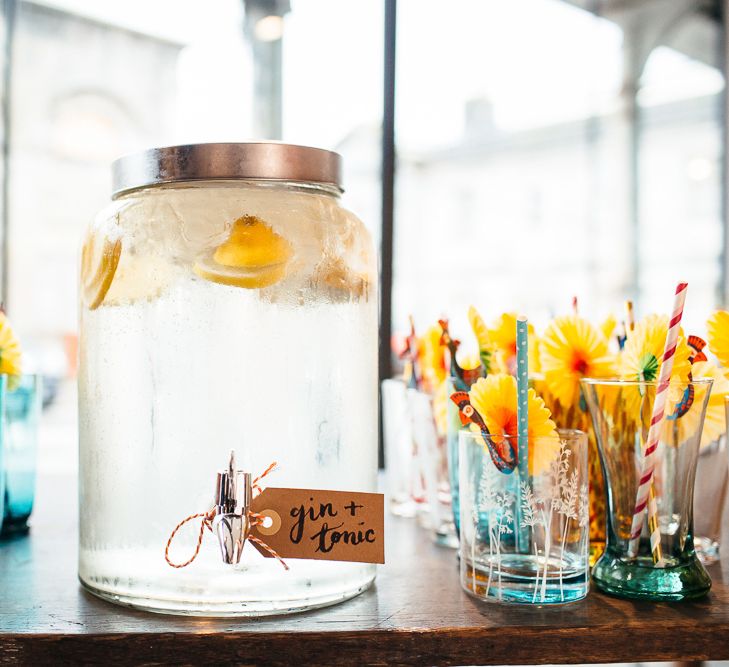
[{"x": 654, "y": 432}]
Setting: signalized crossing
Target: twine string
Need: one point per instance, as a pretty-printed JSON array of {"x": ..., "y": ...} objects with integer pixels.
[
  {"x": 255, "y": 519},
  {"x": 207, "y": 518}
]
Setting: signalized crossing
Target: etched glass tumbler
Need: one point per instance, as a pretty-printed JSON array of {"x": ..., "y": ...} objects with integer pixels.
[
  {"x": 525, "y": 540},
  {"x": 660, "y": 563}
]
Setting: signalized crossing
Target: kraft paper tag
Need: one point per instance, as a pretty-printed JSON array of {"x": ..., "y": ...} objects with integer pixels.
[{"x": 323, "y": 525}]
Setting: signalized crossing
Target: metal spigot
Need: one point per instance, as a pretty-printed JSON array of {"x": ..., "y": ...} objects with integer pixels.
[{"x": 233, "y": 497}]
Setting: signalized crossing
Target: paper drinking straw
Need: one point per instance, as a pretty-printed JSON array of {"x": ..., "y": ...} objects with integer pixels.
[
  {"x": 629, "y": 315},
  {"x": 648, "y": 463},
  {"x": 522, "y": 415},
  {"x": 522, "y": 388},
  {"x": 653, "y": 528}
]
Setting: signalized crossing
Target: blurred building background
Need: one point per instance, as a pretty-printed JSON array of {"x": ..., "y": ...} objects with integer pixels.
[{"x": 545, "y": 148}]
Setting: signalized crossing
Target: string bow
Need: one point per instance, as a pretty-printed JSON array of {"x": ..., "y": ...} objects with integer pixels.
[{"x": 254, "y": 519}]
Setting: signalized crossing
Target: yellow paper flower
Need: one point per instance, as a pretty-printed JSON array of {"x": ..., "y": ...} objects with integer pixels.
[
  {"x": 608, "y": 325},
  {"x": 440, "y": 409},
  {"x": 486, "y": 347},
  {"x": 494, "y": 398},
  {"x": 715, "y": 419},
  {"x": 718, "y": 329},
  {"x": 572, "y": 349},
  {"x": 469, "y": 361},
  {"x": 643, "y": 351},
  {"x": 480, "y": 330},
  {"x": 9, "y": 348},
  {"x": 503, "y": 337},
  {"x": 431, "y": 355}
]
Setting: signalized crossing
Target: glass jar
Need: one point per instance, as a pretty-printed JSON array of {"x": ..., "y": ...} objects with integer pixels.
[{"x": 228, "y": 302}]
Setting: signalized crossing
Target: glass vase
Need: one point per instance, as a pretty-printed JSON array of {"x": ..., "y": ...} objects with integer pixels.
[
  {"x": 621, "y": 413},
  {"x": 525, "y": 540}
]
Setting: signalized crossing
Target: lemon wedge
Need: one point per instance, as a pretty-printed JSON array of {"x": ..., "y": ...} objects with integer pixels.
[
  {"x": 96, "y": 283},
  {"x": 253, "y": 256}
]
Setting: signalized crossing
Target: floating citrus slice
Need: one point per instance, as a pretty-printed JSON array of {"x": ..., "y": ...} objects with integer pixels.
[
  {"x": 253, "y": 256},
  {"x": 96, "y": 283},
  {"x": 335, "y": 274}
]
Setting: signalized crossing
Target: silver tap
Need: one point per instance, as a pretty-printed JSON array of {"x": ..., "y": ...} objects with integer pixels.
[{"x": 231, "y": 524}]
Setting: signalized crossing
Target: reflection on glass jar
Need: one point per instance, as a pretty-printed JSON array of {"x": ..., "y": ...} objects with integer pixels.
[{"x": 228, "y": 302}]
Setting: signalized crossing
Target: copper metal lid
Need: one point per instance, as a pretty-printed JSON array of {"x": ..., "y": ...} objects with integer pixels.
[{"x": 265, "y": 160}]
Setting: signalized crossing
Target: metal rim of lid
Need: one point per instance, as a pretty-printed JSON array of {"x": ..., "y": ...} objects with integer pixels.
[{"x": 259, "y": 160}]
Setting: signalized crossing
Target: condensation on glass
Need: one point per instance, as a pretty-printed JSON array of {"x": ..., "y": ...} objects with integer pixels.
[{"x": 228, "y": 302}]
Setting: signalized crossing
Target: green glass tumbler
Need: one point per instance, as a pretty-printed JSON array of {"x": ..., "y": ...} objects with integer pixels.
[{"x": 621, "y": 412}]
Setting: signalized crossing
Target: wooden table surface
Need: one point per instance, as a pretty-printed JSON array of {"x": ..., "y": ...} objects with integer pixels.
[{"x": 415, "y": 614}]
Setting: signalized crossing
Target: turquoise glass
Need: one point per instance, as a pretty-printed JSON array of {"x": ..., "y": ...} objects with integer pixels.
[
  {"x": 3, "y": 455},
  {"x": 668, "y": 569},
  {"x": 23, "y": 399}
]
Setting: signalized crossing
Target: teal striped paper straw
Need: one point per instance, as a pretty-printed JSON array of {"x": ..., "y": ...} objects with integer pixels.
[{"x": 522, "y": 417}]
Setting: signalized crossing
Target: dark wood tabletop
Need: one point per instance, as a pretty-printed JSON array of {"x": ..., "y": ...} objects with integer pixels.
[{"x": 415, "y": 614}]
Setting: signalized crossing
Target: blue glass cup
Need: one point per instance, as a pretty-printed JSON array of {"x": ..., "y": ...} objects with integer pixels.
[{"x": 21, "y": 412}]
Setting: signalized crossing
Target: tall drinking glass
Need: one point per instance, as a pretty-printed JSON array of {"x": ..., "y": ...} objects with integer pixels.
[{"x": 661, "y": 564}]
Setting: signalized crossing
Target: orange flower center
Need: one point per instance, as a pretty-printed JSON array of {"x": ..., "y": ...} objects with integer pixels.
[{"x": 579, "y": 364}]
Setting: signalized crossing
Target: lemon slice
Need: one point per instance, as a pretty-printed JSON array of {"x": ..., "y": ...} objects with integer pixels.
[
  {"x": 95, "y": 284},
  {"x": 335, "y": 274},
  {"x": 253, "y": 256}
]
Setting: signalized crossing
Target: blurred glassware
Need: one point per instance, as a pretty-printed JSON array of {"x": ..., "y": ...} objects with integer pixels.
[
  {"x": 454, "y": 428},
  {"x": 525, "y": 542},
  {"x": 399, "y": 447},
  {"x": 710, "y": 495},
  {"x": 432, "y": 464},
  {"x": 3, "y": 454},
  {"x": 22, "y": 409},
  {"x": 666, "y": 569}
]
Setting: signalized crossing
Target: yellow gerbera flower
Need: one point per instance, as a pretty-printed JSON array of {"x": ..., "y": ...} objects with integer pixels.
[
  {"x": 608, "y": 325},
  {"x": 715, "y": 419},
  {"x": 503, "y": 337},
  {"x": 440, "y": 408},
  {"x": 469, "y": 361},
  {"x": 718, "y": 329},
  {"x": 572, "y": 349},
  {"x": 9, "y": 348},
  {"x": 494, "y": 398},
  {"x": 643, "y": 351},
  {"x": 480, "y": 329},
  {"x": 486, "y": 347},
  {"x": 431, "y": 355}
]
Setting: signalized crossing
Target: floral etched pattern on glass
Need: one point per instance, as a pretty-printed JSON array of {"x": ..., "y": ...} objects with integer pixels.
[{"x": 525, "y": 541}]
